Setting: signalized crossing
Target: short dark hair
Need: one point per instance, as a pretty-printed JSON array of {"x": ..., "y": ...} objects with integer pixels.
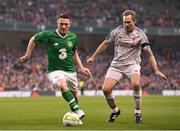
[
  {"x": 130, "y": 12},
  {"x": 64, "y": 15}
]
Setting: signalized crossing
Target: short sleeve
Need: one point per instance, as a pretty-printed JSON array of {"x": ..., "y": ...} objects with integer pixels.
[
  {"x": 111, "y": 37},
  {"x": 41, "y": 37},
  {"x": 75, "y": 43},
  {"x": 144, "y": 37}
]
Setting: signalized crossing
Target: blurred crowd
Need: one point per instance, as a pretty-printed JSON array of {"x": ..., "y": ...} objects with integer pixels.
[
  {"x": 100, "y": 13},
  {"x": 31, "y": 75}
]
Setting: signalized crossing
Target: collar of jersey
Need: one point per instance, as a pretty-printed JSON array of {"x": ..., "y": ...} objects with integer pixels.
[{"x": 61, "y": 35}]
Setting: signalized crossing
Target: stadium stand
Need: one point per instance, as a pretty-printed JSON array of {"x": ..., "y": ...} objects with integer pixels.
[
  {"x": 100, "y": 13},
  {"x": 31, "y": 76}
]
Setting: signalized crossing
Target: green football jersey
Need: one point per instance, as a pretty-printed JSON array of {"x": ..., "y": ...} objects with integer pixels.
[{"x": 60, "y": 50}]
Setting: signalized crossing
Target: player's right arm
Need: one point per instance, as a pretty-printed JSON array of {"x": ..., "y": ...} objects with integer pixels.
[
  {"x": 29, "y": 50},
  {"x": 98, "y": 51},
  {"x": 41, "y": 37},
  {"x": 109, "y": 39}
]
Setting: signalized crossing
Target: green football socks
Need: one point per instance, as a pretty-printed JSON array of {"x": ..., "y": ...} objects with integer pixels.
[{"x": 71, "y": 100}]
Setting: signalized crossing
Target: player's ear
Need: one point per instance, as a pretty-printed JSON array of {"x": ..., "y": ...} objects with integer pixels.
[
  {"x": 134, "y": 20},
  {"x": 70, "y": 23}
]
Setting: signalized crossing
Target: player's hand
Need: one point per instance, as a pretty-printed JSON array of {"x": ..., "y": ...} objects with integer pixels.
[
  {"x": 158, "y": 73},
  {"x": 86, "y": 71},
  {"x": 90, "y": 60},
  {"x": 24, "y": 58}
]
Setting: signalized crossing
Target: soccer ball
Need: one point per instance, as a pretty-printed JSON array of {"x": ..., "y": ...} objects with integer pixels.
[{"x": 70, "y": 119}]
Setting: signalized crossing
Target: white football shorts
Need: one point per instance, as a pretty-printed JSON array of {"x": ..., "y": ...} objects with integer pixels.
[
  {"x": 70, "y": 78},
  {"x": 118, "y": 73}
]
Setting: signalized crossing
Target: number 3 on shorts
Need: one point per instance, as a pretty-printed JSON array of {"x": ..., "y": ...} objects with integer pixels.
[{"x": 62, "y": 54}]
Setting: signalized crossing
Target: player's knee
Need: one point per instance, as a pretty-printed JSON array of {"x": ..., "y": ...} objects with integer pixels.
[
  {"x": 136, "y": 86},
  {"x": 60, "y": 86},
  {"x": 106, "y": 90}
]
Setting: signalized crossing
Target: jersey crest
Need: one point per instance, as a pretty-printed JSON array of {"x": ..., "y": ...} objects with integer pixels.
[
  {"x": 70, "y": 44},
  {"x": 55, "y": 44}
]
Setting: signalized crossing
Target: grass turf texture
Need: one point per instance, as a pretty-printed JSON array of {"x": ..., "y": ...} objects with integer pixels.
[{"x": 46, "y": 113}]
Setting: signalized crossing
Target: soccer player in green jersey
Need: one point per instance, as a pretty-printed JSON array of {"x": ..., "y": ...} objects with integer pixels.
[{"x": 61, "y": 47}]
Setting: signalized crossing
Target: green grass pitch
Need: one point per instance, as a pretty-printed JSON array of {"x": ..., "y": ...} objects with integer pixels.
[{"x": 45, "y": 113}]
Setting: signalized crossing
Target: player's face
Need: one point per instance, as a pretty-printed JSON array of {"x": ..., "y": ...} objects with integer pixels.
[
  {"x": 63, "y": 25},
  {"x": 128, "y": 23}
]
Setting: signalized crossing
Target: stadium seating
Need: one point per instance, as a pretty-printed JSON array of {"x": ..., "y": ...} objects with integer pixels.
[
  {"x": 100, "y": 13},
  {"x": 31, "y": 76}
]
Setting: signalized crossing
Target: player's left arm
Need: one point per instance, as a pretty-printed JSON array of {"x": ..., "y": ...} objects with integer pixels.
[
  {"x": 152, "y": 60},
  {"x": 83, "y": 69}
]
